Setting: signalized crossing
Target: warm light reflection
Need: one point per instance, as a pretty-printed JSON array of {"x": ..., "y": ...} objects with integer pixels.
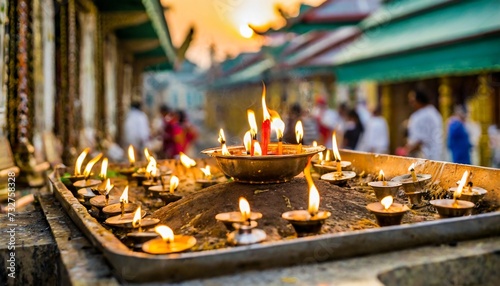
[
  {"x": 79, "y": 161},
  {"x": 131, "y": 154},
  {"x": 252, "y": 122},
  {"x": 136, "y": 221},
  {"x": 257, "y": 151},
  {"x": 299, "y": 131},
  {"x": 165, "y": 232},
  {"x": 461, "y": 185},
  {"x": 186, "y": 161},
  {"x": 246, "y": 31},
  {"x": 335, "y": 149},
  {"x": 244, "y": 209},
  {"x": 124, "y": 196},
  {"x": 174, "y": 183},
  {"x": 247, "y": 141},
  {"x": 104, "y": 169},
  {"x": 90, "y": 165},
  {"x": 387, "y": 202}
]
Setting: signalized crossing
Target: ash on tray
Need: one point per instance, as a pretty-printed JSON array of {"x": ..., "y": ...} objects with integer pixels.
[{"x": 195, "y": 214}]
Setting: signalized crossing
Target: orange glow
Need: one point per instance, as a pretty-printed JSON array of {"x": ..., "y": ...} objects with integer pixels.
[
  {"x": 244, "y": 209},
  {"x": 315, "y": 144},
  {"x": 166, "y": 233},
  {"x": 136, "y": 221},
  {"x": 246, "y": 31},
  {"x": 265, "y": 113},
  {"x": 104, "y": 168},
  {"x": 387, "y": 202},
  {"x": 109, "y": 187},
  {"x": 124, "y": 196},
  {"x": 222, "y": 138},
  {"x": 131, "y": 154},
  {"x": 174, "y": 183},
  {"x": 147, "y": 155},
  {"x": 411, "y": 168},
  {"x": 90, "y": 165},
  {"x": 313, "y": 200},
  {"x": 186, "y": 161},
  {"x": 206, "y": 171},
  {"x": 151, "y": 168},
  {"x": 79, "y": 161},
  {"x": 252, "y": 122},
  {"x": 461, "y": 185},
  {"x": 335, "y": 149},
  {"x": 277, "y": 124},
  {"x": 257, "y": 151},
  {"x": 247, "y": 141},
  {"x": 381, "y": 176},
  {"x": 299, "y": 131}
]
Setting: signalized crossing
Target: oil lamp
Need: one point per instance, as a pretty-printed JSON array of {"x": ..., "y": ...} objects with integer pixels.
[
  {"x": 240, "y": 217},
  {"x": 122, "y": 207},
  {"x": 222, "y": 141},
  {"x": 454, "y": 207},
  {"x": 132, "y": 220},
  {"x": 139, "y": 237},
  {"x": 247, "y": 142},
  {"x": 208, "y": 179},
  {"x": 128, "y": 171},
  {"x": 170, "y": 197},
  {"x": 413, "y": 184},
  {"x": 246, "y": 231},
  {"x": 266, "y": 123},
  {"x": 278, "y": 125},
  {"x": 310, "y": 221},
  {"x": 86, "y": 182},
  {"x": 168, "y": 243},
  {"x": 101, "y": 188},
  {"x": 77, "y": 175},
  {"x": 86, "y": 194},
  {"x": 338, "y": 177},
  {"x": 299, "y": 134},
  {"x": 383, "y": 188},
  {"x": 101, "y": 201},
  {"x": 470, "y": 192},
  {"x": 151, "y": 173},
  {"x": 386, "y": 212},
  {"x": 188, "y": 163}
]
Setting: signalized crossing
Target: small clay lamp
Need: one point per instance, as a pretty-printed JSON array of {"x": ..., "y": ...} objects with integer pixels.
[
  {"x": 78, "y": 175},
  {"x": 231, "y": 218},
  {"x": 188, "y": 165},
  {"x": 338, "y": 177},
  {"x": 383, "y": 188},
  {"x": 413, "y": 184},
  {"x": 127, "y": 220},
  {"x": 386, "y": 212},
  {"x": 139, "y": 237},
  {"x": 170, "y": 197},
  {"x": 102, "y": 201},
  {"x": 246, "y": 232},
  {"x": 122, "y": 207},
  {"x": 101, "y": 188},
  {"x": 454, "y": 207},
  {"x": 128, "y": 171},
  {"x": 324, "y": 164},
  {"x": 310, "y": 221},
  {"x": 87, "y": 182},
  {"x": 208, "y": 179},
  {"x": 168, "y": 243},
  {"x": 470, "y": 192}
]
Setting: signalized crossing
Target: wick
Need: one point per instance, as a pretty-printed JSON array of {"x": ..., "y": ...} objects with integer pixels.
[
  {"x": 339, "y": 167},
  {"x": 413, "y": 175},
  {"x": 122, "y": 207}
]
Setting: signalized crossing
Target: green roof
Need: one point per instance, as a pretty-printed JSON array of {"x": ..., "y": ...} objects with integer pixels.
[{"x": 424, "y": 39}]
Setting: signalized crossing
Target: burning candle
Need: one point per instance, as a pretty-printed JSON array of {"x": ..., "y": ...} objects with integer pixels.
[
  {"x": 174, "y": 183},
  {"x": 257, "y": 151},
  {"x": 90, "y": 165},
  {"x": 147, "y": 154},
  {"x": 244, "y": 209},
  {"x": 460, "y": 188},
  {"x": 206, "y": 172},
  {"x": 104, "y": 169},
  {"x": 336, "y": 153},
  {"x": 136, "y": 222},
  {"x": 299, "y": 134},
  {"x": 168, "y": 243},
  {"x": 382, "y": 178},
  {"x": 124, "y": 200},
  {"x": 279, "y": 126},
  {"x": 131, "y": 155},
  {"x": 187, "y": 163},
  {"x": 139, "y": 237},
  {"x": 387, "y": 212},
  {"x": 454, "y": 207},
  {"x": 244, "y": 216},
  {"x": 247, "y": 142},
  {"x": 266, "y": 123},
  {"x": 253, "y": 129},
  {"x": 79, "y": 161},
  {"x": 86, "y": 182},
  {"x": 222, "y": 141},
  {"x": 412, "y": 171}
]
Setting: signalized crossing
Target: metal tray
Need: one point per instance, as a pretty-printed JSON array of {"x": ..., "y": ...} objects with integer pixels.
[{"x": 140, "y": 267}]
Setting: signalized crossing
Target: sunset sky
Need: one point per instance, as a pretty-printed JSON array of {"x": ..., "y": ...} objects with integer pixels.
[{"x": 222, "y": 22}]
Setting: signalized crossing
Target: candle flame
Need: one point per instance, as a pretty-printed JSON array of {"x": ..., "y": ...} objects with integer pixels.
[
  {"x": 252, "y": 122},
  {"x": 222, "y": 138},
  {"x": 246, "y": 31},
  {"x": 381, "y": 175},
  {"x": 247, "y": 141},
  {"x": 79, "y": 161},
  {"x": 313, "y": 191},
  {"x": 104, "y": 168},
  {"x": 206, "y": 171},
  {"x": 328, "y": 156},
  {"x": 151, "y": 167},
  {"x": 186, "y": 161},
  {"x": 136, "y": 221},
  {"x": 315, "y": 144},
  {"x": 299, "y": 131},
  {"x": 124, "y": 196},
  {"x": 244, "y": 209},
  {"x": 131, "y": 154},
  {"x": 147, "y": 155},
  {"x": 166, "y": 233},
  {"x": 335, "y": 149},
  {"x": 174, "y": 183},
  {"x": 257, "y": 151},
  {"x": 265, "y": 113},
  {"x": 320, "y": 156},
  {"x": 387, "y": 202},
  {"x": 91, "y": 164},
  {"x": 108, "y": 187},
  {"x": 412, "y": 167},
  {"x": 460, "y": 187},
  {"x": 278, "y": 125}
]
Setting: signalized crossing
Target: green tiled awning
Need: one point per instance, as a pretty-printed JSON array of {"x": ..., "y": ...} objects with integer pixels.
[{"x": 417, "y": 39}]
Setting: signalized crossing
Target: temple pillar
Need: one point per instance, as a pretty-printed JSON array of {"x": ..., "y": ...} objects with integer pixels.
[
  {"x": 445, "y": 98},
  {"x": 484, "y": 103}
]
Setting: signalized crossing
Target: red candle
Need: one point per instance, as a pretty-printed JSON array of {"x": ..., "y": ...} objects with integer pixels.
[{"x": 266, "y": 124}]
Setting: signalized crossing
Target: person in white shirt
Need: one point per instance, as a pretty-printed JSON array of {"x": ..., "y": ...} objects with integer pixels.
[
  {"x": 375, "y": 139},
  {"x": 136, "y": 127},
  {"x": 425, "y": 128}
]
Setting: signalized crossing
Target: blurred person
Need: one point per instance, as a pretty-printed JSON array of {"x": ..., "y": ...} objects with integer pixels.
[
  {"x": 186, "y": 135},
  {"x": 494, "y": 138},
  {"x": 474, "y": 130},
  {"x": 353, "y": 129},
  {"x": 458, "y": 141},
  {"x": 375, "y": 139},
  {"x": 309, "y": 125},
  {"x": 136, "y": 127},
  {"x": 328, "y": 120},
  {"x": 425, "y": 128}
]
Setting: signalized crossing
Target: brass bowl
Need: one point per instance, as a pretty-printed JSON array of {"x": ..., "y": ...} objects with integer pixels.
[
  {"x": 447, "y": 208},
  {"x": 266, "y": 169},
  {"x": 411, "y": 187}
]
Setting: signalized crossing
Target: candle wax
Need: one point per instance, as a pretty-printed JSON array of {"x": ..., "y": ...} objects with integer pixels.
[{"x": 266, "y": 134}]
